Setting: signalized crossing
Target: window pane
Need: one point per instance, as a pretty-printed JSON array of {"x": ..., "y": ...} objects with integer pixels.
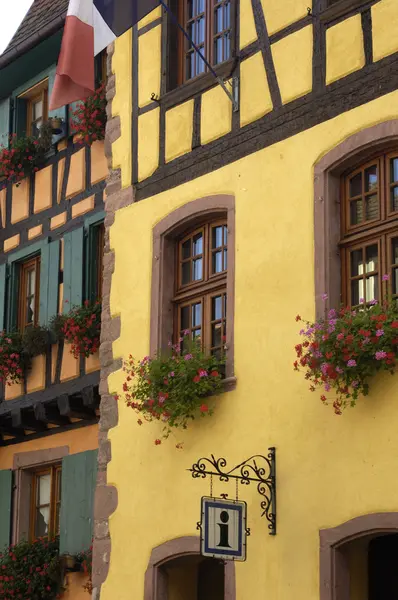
[
  {"x": 30, "y": 310},
  {"x": 197, "y": 269},
  {"x": 217, "y": 262},
  {"x": 394, "y": 169},
  {"x": 37, "y": 110},
  {"x": 198, "y": 244},
  {"x": 44, "y": 489},
  {"x": 185, "y": 317},
  {"x": 356, "y": 263},
  {"x": 217, "y": 237},
  {"x": 225, "y": 235},
  {"x": 372, "y": 207},
  {"x": 31, "y": 282},
  {"x": 218, "y": 50},
  {"x": 225, "y": 259},
  {"x": 395, "y": 281},
  {"x": 356, "y": 212},
  {"x": 356, "y": 185},
  {"x": 216, "y": 312},
  {"x": 219, "y": 19},
  {"x": 197, "y": 314},
  {"x": 216, "y": 334},
  {"x": 394, "y": 198},
  {"x": 186, "y": 249},
  {"x": 186, "y": 272},
  {"x": 371, "y": 258},
  {"x": 42, "y": 521},
  {"x": 372, "y": 288},
  {"x": 371, "y": 179},
  {"x": 395, "y": 251},
  {"x": 356, "y": 291}
]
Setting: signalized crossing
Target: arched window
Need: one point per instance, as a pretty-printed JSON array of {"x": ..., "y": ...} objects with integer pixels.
[
  {"x": 193, "y": 277},
  {"x": 201, "y": 286},
  {"x": 370, "y": 229}
]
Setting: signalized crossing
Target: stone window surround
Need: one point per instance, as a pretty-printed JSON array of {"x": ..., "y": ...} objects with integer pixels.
[
  {"x": 334, "y": 568},
  {"x": 155, "y": 579},
  {"x": 23, "y": 465},
  {"x": 327, "y": 233},
  {"x": 165, "y": 233}
]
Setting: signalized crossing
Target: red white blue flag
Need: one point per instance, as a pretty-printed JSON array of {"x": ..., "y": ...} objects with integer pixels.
[{"x": 91, "y": 25}]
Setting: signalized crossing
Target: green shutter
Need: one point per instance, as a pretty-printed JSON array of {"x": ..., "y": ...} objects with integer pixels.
[
  {"x": 20, "y": 117},
  {"x": 79, "y": 477},
  {"x": 5, "y": 508},
  {"x": 49, "y": 280},
  {"x": 12, "y": 296},
  {"x": 4, "y": 121},
  {"x": 73, "y": 269},
  {"x": 3, "y": 281}
]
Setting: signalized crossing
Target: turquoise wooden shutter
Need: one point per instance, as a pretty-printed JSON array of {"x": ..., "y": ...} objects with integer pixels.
[
  {"x": 12, "y": 296},
  {"x": 73, "y": 269},
  {"x": 3, "y": 282},
  {"x": 20, "y": 117},
  {"x": 4, "y": 121},
  {"x": 79, "y": 477},
  {"x": 49, "y": 282},
  {"x": 5, "y": 508}
]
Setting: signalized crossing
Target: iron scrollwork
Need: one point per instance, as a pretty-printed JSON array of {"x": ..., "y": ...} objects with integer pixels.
[{"x": 258, "y": 469}]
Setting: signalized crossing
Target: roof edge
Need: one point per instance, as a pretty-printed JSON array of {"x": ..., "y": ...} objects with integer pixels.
[{"x": 32, "y": 41}]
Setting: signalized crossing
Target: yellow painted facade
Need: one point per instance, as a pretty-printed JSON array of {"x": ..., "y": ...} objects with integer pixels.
[{"x": 325, "y": 463}]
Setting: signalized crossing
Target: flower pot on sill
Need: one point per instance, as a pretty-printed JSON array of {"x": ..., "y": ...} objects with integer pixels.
[
  {"x": 56, "y": 125},
  {"x": 70, "y": 563}
]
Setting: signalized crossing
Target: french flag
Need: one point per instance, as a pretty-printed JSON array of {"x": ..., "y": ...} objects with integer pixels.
[{"x": 91, "y": 25}]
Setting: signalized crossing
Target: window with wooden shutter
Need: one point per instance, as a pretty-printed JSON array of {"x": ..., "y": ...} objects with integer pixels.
[
  {"x": 369, "y": 240},
  {"x": 79, "y": 476},
  {"x": 5, "y": 508},
  {"x": 35, "y": 103},
  {"x": 45, "y": 502},
  {"x": 201, "y": 286},
  {"x": 73, "y": 269}
]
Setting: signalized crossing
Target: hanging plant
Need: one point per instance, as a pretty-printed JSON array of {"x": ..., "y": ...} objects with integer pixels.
[
  {"x": 11, "y": 360},
  {"x": 35, "y": 341},
  {"x": 344, "y": 350},
  {"x": 81, "y": 328},
  {"x": 89, "y": 118},
  {"x": 171, "y": 388},
  {"x": 24, "y": 155},
  {"x": 31, "y": 571}
]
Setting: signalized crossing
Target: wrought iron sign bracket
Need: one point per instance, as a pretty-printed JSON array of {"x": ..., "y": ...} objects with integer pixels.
[{"x": 257, "y": 469}]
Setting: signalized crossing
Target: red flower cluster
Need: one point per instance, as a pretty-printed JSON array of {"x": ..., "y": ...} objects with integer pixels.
[
  {"x": 90, "y": 118},
  {"x": 23, "y": 157},
  {"x": 344, "y": 349},
  {"x": 30, "y": 571},
  {"x": 86, "y": 562},
  {"x": 82, "y": 328},
  {"x": 10, "y": 358},
  {"x": 171, "y": 388}
]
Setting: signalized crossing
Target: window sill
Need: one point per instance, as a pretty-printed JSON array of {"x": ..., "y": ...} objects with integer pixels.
[
  {"x": 343, "y": 7},
  {"x": 229, "y": 384},
  {"x": 197, "y": 85}
]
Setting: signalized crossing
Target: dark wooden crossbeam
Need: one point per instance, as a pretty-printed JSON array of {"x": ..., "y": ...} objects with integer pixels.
[
  {"x": 50, "y": 414},
  {"x": 25, "y": 419},
  {"x": 73, "y": 408}
]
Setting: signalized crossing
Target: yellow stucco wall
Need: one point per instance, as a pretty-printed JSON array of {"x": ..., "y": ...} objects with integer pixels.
[
  {"x": 254, "y": 96},
  {"x": 179, "y": 126},
  {"x": 384, "y": 28},
  {"x": 149, "y": 70},
  {"x": 323, "y": 462},
  {"x": 282, "y": 13},
  {"x": 344, "y": 49}
]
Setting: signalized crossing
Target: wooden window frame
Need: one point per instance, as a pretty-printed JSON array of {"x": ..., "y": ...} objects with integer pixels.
[
  {"x": 55, "y": 472},
  {"x": 24, "y": 268},
  {"x": 201, "y": 291},
  {"x": 165, "y": 233},
  {"x": 31, "y": 96},
  {"x": 380, "y": 231}
]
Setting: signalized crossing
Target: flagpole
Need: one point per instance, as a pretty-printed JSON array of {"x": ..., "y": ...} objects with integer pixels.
[{"x": 195, "y": 47}]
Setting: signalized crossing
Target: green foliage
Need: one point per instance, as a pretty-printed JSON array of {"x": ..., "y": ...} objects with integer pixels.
[
  {"x": 31, "y": 571},
  {"x": 343, "y": 350},
  {"x": 11, "y": 362},
  {"x": 170, "y": 388},
  {"x": 35, "y": 341},
  {"x": 25, "y": 155}
]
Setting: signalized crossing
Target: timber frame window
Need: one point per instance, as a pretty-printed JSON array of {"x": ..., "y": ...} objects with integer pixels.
[
  {"x": 201, "y": 286},
  {"x": 370, "y": 229},
  {"x": 36, "y": 105},
  {"x": 29, "y": 293},
  {"x": 193, "y": 270},
  {"x": 211, "y": 25},
  {"x": 94, "y": 257},
  {"x": 46, "y": 502}
]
